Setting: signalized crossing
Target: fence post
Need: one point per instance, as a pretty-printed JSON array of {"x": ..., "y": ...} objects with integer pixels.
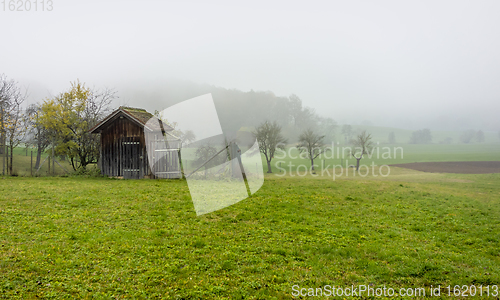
[
  {"x": 53, "y": 159},
  {"x": 31, "y": 169}
]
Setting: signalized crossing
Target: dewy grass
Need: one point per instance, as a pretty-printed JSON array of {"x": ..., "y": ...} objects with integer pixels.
[{"x": 84, "y": 237}]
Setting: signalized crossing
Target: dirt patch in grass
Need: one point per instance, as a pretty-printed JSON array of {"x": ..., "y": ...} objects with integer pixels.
[{"x": 461, "y": 167}]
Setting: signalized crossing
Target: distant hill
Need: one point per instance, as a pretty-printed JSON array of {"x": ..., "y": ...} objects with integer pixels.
[{"x": 237, "y": 109}]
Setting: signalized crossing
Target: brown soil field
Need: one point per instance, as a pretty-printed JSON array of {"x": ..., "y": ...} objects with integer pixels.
[{"x": 462, "y": 167}]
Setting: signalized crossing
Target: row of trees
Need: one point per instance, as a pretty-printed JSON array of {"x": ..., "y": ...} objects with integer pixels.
[
  {"x": 62, "y": 122},
  {"x": 270, "y": 138},
  {"x": 424, "y": 136}
]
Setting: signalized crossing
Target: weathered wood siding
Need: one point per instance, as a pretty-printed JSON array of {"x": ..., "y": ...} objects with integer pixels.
[{"x": 123, "y": 149}]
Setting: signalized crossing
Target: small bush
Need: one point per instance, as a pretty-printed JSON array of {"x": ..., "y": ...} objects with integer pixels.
[{"x": 88, "y": 172}]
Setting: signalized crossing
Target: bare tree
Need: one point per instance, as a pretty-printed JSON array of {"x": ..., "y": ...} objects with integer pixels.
[
  {"x": 312, "y": 144},
  {"x": 11, "y": 118},
  {"x": 15, "y": 129},
  {"x": 269, "y": 137},
  {"x": 363, "y": 145},
  {"x": 7, "y": 88},
  {"x": 38, "y": 134}
]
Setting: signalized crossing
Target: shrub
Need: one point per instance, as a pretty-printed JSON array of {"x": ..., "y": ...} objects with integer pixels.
[{"x": 88, "y": 172}]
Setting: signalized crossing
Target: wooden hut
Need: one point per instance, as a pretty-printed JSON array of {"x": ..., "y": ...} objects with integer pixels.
[{"x": 123, "y": 151}]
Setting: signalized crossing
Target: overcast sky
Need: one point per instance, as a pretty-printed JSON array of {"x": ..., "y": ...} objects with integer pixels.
[{"x": 388, "y": 62}]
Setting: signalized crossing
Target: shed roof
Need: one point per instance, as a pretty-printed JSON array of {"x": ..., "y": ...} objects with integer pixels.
[{"x": 137, "y": 115}]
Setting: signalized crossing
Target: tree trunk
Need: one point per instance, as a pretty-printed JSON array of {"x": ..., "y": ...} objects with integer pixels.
[
  {"x": 357, "y": 163},
  {"x": 6, "y": 160},
  {"x": 83, "y": 161},
  {"x": 2, "y": 141},
  {"x": 38, "y": 156},
  {"x": 11, "y": 159},
  {"x": 312, "y": 164},
  {"x": 269, "y": 167},
  {"x": 72, "y": 160}
]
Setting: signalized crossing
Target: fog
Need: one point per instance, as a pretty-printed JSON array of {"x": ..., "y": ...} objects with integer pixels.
[{"x": 405, "y": 64}]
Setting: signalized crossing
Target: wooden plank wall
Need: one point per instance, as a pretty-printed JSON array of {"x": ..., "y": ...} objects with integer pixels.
[
  {"x": 112, "y": 148},
  {"x": 115, "y": 156}
]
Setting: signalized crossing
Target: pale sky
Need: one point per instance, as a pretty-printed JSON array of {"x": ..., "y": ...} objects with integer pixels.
[{"x": 388, "y": 62}]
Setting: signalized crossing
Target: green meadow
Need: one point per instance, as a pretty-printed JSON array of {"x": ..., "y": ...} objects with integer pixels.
[
  {"x": 78, "y": 237},
  {"x": 99, "y": 238},
  {"x": 385, "y": 154}
]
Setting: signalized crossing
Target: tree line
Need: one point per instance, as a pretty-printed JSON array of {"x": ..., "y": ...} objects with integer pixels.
[
  {"x": 61, "y": 123},
  {"x": 310, "y": 143}
]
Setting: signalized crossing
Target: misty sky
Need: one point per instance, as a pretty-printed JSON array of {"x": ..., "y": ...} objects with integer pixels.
[{"x": 393, "y": 63}]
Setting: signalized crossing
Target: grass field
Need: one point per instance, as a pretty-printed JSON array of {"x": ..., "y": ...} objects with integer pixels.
[
  {"x": 384, "y": 154},
  {"x": 112, "y": 239}
]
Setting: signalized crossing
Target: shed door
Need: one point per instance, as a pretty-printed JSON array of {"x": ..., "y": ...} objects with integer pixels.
[{"x": 130, "y": 157}]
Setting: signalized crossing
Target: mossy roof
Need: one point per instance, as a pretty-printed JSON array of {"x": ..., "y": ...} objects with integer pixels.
[{"x": 139, "y": 115}]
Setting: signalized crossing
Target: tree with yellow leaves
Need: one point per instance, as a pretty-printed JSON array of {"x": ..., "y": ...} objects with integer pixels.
[{"x": 69, "y": 116}]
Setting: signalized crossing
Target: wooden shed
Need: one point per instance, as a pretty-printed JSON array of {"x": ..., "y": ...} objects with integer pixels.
[{"x": 123, "y": 151}]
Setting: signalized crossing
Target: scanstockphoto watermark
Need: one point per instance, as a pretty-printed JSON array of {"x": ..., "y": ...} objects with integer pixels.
[
  {"x": 26, "y": 5},
  {"x": 369, "y": 291},
  {"x": 356, "y": 291},
  {"x": 342, "y": 167}
]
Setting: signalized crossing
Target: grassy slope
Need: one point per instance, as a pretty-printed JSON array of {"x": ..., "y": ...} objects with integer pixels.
[{"x": 78, "y": 238}]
